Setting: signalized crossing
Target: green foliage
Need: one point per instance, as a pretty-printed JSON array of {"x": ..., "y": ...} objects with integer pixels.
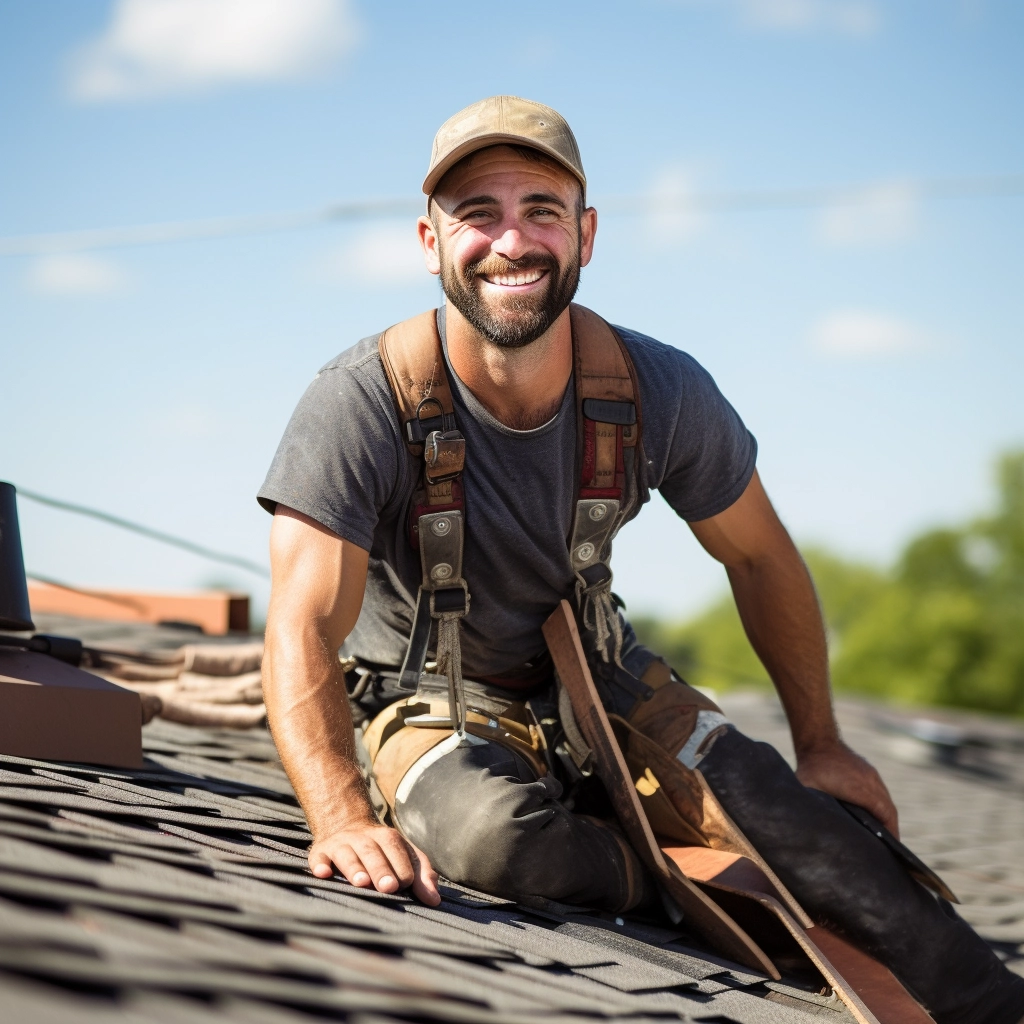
[
  {"x": 945, "y": 625},
  {"x": 710, "y": 650}
]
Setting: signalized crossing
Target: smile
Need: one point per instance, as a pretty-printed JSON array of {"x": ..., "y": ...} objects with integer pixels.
[{"x": 520, "y": 279}]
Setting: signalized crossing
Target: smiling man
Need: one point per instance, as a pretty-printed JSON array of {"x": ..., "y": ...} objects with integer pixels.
[{"x": 443, "y": 486}]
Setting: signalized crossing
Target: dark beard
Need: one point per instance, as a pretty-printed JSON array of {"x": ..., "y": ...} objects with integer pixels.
[{"x": 516, "y": 322}]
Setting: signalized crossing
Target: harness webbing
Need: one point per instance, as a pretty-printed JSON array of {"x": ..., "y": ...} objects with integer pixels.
[{"x": 608, "y": 441}]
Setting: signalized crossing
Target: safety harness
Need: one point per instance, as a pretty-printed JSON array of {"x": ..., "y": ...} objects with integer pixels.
[{"x": 609, "y": 477}]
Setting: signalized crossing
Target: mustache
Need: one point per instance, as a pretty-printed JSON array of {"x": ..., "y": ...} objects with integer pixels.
[{"x": 493, "y": 265}]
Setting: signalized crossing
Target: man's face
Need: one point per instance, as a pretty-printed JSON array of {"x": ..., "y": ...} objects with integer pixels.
[{"x": 508, "y": 241}]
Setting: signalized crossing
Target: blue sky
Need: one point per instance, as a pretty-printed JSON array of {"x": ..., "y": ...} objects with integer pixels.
[{"x": 872, "y": 344}]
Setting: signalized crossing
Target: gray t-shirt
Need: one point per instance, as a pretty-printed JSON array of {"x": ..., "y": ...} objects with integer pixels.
[{"x": 342, "y": 461}]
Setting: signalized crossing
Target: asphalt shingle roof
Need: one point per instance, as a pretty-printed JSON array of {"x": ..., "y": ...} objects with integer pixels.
[{"x": 180, "y": 893}]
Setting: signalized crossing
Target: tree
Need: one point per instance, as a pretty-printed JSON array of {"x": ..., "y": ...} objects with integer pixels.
[
  {"x": 949, "y": 628},
  {"x": 945, "y": 625}
]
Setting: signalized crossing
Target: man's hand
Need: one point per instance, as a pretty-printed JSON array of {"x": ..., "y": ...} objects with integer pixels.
[
  {"x": 378, "y": 856},
  {"x": 837, "y": 770}
]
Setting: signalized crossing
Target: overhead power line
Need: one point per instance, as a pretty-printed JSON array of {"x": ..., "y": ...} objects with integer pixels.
[
  {"x": 864, "y": 193},
  {"x": 145, "y": 531},
  {"x": 216, "y": 227}
]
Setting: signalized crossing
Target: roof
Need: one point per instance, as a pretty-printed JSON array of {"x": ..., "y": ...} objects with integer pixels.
[{"x": 180, "y": 893}]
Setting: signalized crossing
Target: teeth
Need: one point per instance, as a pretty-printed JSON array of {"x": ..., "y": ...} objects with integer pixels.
[{"x": 524, "y": 277}]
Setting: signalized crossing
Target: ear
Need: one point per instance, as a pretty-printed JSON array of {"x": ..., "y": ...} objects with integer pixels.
[
  {"x": 588, "y": 231},
  {"x": 430, "y": 244}
]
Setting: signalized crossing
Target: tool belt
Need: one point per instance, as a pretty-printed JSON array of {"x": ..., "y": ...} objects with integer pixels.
[{"x": 406, "y": 730}]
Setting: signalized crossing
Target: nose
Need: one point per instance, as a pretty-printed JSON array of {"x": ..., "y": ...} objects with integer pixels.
[{"x": 511, "y": 243}]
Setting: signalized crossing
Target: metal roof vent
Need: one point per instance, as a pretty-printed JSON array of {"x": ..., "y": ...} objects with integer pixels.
[{"x": 14, "y": 608}]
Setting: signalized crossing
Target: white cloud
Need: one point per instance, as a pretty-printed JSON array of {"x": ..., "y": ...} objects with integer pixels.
[
  {"x": 159, "y": 47},
  {"x": 386, "y": 254},
  {"x": 862, "y": 334},
  {"x": 883, "y": 213},
  {"x": 671, "y": 217},
  {"x": 75, "y": 274}
]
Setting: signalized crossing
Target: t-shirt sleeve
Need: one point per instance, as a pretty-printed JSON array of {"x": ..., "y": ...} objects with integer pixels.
[
  {"x": 700, "y": 455},
  {"x": 338, "y": 461}
]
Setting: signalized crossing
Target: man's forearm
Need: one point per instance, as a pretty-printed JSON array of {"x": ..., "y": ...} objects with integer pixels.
[
  {"x": 308, "y": 712},
  {"x": 782, "y": 619}
]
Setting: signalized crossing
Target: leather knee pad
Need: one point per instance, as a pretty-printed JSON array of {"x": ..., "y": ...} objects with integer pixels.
[{"x": 848, "y": 879}]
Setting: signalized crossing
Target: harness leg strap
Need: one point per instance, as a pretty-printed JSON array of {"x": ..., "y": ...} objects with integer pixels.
[{"x": 416, "y": 653}]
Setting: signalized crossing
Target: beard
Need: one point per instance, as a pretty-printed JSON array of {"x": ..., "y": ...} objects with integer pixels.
[{"x": 515, "y": 321}]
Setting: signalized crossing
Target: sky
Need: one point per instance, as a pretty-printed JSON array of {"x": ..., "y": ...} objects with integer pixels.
[{"x": 870, "y": 337}]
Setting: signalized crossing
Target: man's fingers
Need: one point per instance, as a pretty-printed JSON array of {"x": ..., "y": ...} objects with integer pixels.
[
  {"x": 399, "y": 853},
  {"x": 347, "y": 861},
  {"x": 424, "y": 883},
  {"x": 885, "y": 811},
  {"x": 376, "y": 856},
  {"x": 880, "y": 803},
  {"x": 320, "y": 864},
  {"x": 379, "y": 866}
]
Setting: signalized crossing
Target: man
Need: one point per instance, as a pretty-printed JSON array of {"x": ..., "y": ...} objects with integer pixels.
[{"x": 508, "y": 231}]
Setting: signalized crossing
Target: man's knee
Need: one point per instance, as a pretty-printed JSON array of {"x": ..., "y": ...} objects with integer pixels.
[
  {"x": 482, "y": 817},
  {"x": 485, "y": 820}
]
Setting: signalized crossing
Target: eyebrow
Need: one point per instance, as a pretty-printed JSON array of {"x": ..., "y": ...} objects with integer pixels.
[
  {"x": 473, "y": 201},
  {"x": 484, "y": 200},
  {"x": 544, "y": 197}
]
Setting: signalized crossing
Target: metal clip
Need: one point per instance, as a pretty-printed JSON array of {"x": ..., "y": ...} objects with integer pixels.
[{"x": 444, "y": 455}]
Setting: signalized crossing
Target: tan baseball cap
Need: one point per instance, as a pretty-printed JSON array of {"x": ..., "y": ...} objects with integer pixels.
[{"x": 503, "y": 119}]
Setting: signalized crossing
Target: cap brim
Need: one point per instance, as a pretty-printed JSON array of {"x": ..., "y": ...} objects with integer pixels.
[{"x": 442, "y": 167}]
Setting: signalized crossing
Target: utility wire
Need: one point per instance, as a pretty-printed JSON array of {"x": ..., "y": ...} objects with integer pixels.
[
  {"x": 651, "y": 204},
  {"x": 217, "y": 227},
  {"x": 145, "y": 531}
]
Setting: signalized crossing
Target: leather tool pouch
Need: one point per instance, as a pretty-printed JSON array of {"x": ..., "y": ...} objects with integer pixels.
[
  {"x": 408, "y": 729},
  {"x": 681, "y": 807}
]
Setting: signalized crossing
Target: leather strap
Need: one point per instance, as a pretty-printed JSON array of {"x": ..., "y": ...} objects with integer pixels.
[
  {"x": 414, "y": 364},
  {"x": 608, "y": 404}
]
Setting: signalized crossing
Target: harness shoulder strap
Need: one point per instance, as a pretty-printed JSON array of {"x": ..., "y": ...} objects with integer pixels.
[
  {"x": 604, "y": 368},
  {"x": 610, "y": 472},
  {"x": 413, "y": 361}
]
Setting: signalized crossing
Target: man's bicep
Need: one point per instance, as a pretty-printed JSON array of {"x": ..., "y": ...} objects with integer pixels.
[
  {"x": 318, "y": 578},
  {"x": 746, "y": 530}
]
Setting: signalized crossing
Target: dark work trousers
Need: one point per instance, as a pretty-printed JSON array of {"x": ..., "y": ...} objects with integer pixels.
[{"x": 485, "y": 819}]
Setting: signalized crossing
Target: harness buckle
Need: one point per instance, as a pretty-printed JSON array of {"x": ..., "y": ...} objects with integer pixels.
[
  {"x": 446, "y": 600},
  {"x": 444, "y": 455},
  {"x": 595, "y": 577}
]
